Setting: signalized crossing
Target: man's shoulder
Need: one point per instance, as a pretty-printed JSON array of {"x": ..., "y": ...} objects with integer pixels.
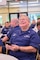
[{"x": 32, "y": 31}]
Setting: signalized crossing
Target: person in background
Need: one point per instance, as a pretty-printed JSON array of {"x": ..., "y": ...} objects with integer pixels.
[
  {"x": 24, "y": 41},
  {"x": 14, "y": 26},
  {"x": 33, "y": 24},
  {"x": 38, "y": 27},
  {"x": 6, "y": 28},
  {"x": 14, "y": 22},
  {"x": 4, "y": 32},
  {"x": 38, "y": 20}
]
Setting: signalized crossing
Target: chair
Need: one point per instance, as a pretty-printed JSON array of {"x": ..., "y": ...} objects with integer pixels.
[{"x": 38, "y": 55}]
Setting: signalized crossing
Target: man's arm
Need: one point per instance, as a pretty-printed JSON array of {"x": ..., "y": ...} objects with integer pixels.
[
  {"x": 27, "y": 49},
  {"x": 4, "y": 39},
  {"x": 22, "y": 48}
]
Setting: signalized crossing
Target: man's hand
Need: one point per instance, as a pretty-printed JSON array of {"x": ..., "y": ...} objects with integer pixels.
[
  {"x": 8, "y": 47},
  {"x": 14, "y": 47}
]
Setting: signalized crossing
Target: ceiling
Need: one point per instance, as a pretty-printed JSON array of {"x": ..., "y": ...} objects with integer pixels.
[
  {"x": 15, "y": 0},
  {"x": 22, "y": 0},
  {"x": 11, "y": 2}
]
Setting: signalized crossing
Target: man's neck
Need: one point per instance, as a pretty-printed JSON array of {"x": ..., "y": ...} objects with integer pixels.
[{"x": 25, "y": 28}]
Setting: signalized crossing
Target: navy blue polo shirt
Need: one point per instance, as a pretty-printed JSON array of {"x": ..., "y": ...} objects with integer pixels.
[
  {"x": 27, "y": 38},
  {"x": 5, "y": 30},
  {"x": 39, "y": 33},
  {"x": 32, "y": 25},
  {"x": 11, "y": 31}
]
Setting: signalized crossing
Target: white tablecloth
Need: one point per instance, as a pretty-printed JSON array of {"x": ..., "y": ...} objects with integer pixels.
[{"x": 7, "y": 57}]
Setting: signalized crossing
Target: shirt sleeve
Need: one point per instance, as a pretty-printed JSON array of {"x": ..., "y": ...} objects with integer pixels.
[
  {"x": 9, "y": 33},
  {"x": 2, "y": 31},
  {"x": 35, "y": 41}
]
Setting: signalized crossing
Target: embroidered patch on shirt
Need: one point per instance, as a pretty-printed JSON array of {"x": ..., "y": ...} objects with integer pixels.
[
  {"x": 14, "y": 34},
  {"x": 8, "y": 32},
  {"x": 27, "y": 36},
  {"x": 29, "y": 31}
]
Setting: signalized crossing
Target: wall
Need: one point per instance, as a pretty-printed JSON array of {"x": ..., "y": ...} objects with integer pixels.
[{"x": 4, "y": 11}]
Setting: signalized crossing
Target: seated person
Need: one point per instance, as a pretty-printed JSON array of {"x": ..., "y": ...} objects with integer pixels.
[
  {"x": 14, "y": 26},
  {"x": 33, "y": 24},
  {"x": 6, "y": 28},
  {"x": 24, "y": 41},
  {"x": 14, "y": 23},
  {"x": 38, "y": 27}
]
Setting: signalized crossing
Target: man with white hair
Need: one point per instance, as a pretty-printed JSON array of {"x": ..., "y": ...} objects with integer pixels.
[
  {"x": 14, "y": 26},
  {"x": 14, "y": 22},
  {"x": 24, "y": 41}
]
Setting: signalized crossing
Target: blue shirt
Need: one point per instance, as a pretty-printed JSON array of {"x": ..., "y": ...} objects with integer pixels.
[
  {"x": 5, "y": 30},
  {"x": 27, "y": 38},
  {"x": 32, "y": 25},
  {"x": 11, "y": 31},
  {"x": 39, "y": 33}
]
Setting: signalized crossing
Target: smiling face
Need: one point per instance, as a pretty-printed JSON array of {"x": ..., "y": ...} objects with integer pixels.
[{"x": 24, "y": 21}]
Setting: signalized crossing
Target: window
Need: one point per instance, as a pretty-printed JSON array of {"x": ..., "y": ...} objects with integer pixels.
[
  {"x": 16, "y": 15},
  {"x": 34, "y": 16},
  {"x": 13, "y": 15},
  {"x": 0, "y": 19}
]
